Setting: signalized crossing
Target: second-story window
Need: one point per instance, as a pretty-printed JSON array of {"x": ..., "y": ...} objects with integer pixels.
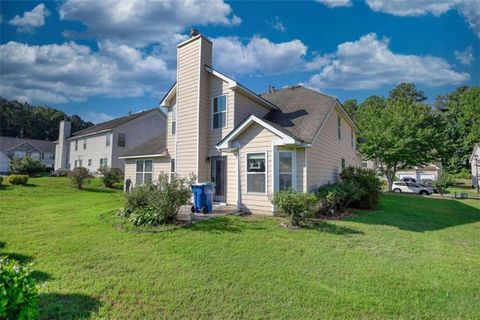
[
  {"x": 174, "y": 119},
  {"x": 339, "y": 126},
  {"x": 108, "y": 140},
  {"x": 352, "y": 139},
  {"x": 219, "y": 112},
  {"x": 121, "y": 140},
  {"x": 84, "y": 144},
  {"x": 76, "y": 145}
]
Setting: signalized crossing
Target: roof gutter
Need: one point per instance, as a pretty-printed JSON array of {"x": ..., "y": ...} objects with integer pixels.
[{"x": 156, "y": 155}]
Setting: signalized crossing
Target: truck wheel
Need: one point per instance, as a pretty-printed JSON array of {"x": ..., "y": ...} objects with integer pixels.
[{"x": 397, "y": 190}]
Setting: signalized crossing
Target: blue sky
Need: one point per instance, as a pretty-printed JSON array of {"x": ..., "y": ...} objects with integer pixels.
[{"x": 103, "y": 59}]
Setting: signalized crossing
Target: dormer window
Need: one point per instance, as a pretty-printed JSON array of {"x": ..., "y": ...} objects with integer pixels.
[{"x": 219, "y": 112}]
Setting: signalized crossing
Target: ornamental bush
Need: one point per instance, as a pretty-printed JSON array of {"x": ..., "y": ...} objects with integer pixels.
[
  {"x": 297, "y": 206},
  {"x": 79, "y": 176},
  {"x": 17, "y": 179},
  {"x": 368, "y": 182},
  {"x": 18, "y": 291},
  {"x": 442, "y": 183},
  {"x": 60, "y": 173},
  {"x": 154, "y": 204},
  {"x": 337, "y": 196},
  {"x": 26, "y": 165},
  {"x": 110, "y": 176},
  {"x": 1, "y": 181}
]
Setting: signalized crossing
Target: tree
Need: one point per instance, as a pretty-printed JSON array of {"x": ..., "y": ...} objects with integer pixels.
[
  {"x": 398, "y": 133},
  {"x": 351, "y": 106},
  {"x": 27, "y": 165},
  {"x": 406, "y": 92}
]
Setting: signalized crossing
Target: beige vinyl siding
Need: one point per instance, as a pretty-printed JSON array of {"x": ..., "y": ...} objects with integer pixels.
[
  {"x": 187, "y": 105},
  {"x": 324, "y": 157},
  {"x": 256, "y": 139},
  {"x": 244, "y": 107},
  {"x": 171, "y": 146},
  {"x": 159, "y": 165},
  {"x": 301, "y": 170}
]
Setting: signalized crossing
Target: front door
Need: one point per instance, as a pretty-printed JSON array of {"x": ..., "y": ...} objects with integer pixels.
[{"x": 219, "y": 175}]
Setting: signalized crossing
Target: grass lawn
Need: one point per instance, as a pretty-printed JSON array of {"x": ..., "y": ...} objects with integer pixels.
[
  {"x": 413, "y": 258},
  {"x": 464, "y": 186}
]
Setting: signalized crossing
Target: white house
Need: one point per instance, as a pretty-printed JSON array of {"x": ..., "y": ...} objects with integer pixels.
[
  {"x": 102, "y": 144},
  {"x": 475, "y": 164},
  {"x": 250, "y": 145}
]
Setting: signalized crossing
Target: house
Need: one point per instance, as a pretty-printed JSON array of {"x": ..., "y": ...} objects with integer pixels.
[
  {"x": 475, "y": 164},
  {"x": 430, "y": 171},
  {"x": 250, "y": 145},
  {"x": 100, "y": 145},
  {"x": 11, "y": 148}
]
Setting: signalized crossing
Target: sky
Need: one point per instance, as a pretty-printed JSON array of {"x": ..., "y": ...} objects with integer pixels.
[{"x": 103, "y": 59}]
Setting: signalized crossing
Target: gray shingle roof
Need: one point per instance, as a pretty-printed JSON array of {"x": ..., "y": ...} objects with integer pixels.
[
  {"x": 156, "y": 145},
  {"x": 301, "y": 111},
  {"x": 111, "y": 124},
  {"x": 7, "y": 143}
]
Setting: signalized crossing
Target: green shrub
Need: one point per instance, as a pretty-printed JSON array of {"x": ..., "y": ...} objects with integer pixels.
[
  {"x": 79, "y": 176},
  {"x": 443, "y": 182},
  {"x": 110, "y": 176},
  {"x": 463, "y": 174},
  {"x": 368, "y": 182},
  {"x": 26, "y": 165},
  {"x": 337, "y": 196},
  {"x": 17, "y": 179},
  {"x": 155, "y": 204},
  {"x": 18, "y": 291},
  {"x": 297, "y": 206},
  {"x": 1, "y": 181}
]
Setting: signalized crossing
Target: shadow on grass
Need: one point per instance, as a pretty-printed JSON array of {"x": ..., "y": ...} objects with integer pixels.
[
  {"x": 39, "y": 276},
  {"x": 226, "y": 225},
  {"x": 67, "y": 306},
  {"x": 324, "y": 226},
  {"x": 2, "y": 244},
  {"x": 17, "y": 256},
  {"x": 99, "y": 190},
  {"x": 418, "y": 214}
]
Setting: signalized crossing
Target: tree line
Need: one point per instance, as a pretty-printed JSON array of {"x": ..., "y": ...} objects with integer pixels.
[
  {"x": 34, "y": 122},
  {"x": 402, "y": 130}
]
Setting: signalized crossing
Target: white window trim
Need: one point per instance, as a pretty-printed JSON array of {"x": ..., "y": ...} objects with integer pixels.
[
  {"x": 293, "y": 172},
  {"x": 173, "y": 110},
  {"x": 339, "y": 127},
  {"x": 100, "y": 163},
  {"x": 247, "y": 173},
  {"x": 143, "y": 172},
  {"x": 172, "y": 173},
  {"x": 108, "y": 139},
  {"x": 118, "y": 140},
  {"x": 226, "y": 111}
]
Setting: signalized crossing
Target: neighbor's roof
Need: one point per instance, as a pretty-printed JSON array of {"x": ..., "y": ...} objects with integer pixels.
[
  {"x": 301, "y": 111},
  {"x": 7, "y": 143},
  {"x": 108, "y": 125},
  {"x": 154, "y": 146}
]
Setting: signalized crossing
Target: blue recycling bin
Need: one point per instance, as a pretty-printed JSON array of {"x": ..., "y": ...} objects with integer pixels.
[{"x": 202, "y": 197}]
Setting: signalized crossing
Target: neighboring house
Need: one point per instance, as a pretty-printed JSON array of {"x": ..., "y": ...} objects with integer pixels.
[
  {"x": 475, "y": 164},
  {"x": 100, "y": 145},
  {"x": 20, "y": 148},
  {"x": 250, "y": 145},
  {"x": 429, "y": 171}
]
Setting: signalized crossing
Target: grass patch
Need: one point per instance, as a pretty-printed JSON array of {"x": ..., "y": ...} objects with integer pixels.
[{"x": 415, "y": 257}]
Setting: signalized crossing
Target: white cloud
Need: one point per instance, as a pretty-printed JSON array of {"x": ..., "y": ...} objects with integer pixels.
[
  {"x": 465, "y": 57},
  {"x": 141, "y": 22},
  {"x": 368, "y": 63},
  {"x": 97, "y": 117},
  {"x": 278, "y": 25},
  {"x": 71, "y": 72},
  {"x": 258, "y": 56},
  {"x": 336, "y": 3},
  {"x": 470, "y": 9},
  {"x": 31, "y": 19}
]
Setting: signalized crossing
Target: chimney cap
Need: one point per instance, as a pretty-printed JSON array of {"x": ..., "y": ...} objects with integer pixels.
[{"x": 194, "y": 32}]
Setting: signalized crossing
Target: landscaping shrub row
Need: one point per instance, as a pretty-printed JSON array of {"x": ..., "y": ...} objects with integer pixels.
[{"x": 17, "y": 179}]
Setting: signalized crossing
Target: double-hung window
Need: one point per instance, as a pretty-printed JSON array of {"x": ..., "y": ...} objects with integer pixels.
[
  {"x": 78, "y": 163},
  {"x": 19, "y": 154},
  {"x": 172, "y": 169},
  {"x": 89, "y": 162},
  {"x": 219, "y": 112},
  {"x": 76, "y": 145},
  {"x": 121, "y": 140},
  {"x": 343, "y": 164},
  {"x": 256, "y": 173},
  {"x": 174, "y": 119},
  {"x": 144, "y": 172},
  {"x": 108, "y": 140},
  {"x": 84, "y": 143},
  {"x": 339, "y": 127},
  {"x": 285, "y": 170},
  {"x": 103, "y": 163}
]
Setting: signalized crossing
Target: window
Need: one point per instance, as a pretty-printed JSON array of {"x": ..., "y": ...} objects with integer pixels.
[
  {"x": 78, "y": 163},
  {"x": 172, "y": 169},
  {"x": 285, "y": 169},
  {"x": 108, "y": 140},
  {"x": 352, "y": 139},
  {"x": 364, "y": 164},
  {"x": 89, "y": 162},
  {"x": 76, "y": 145},
  {"x": 339, "y": 125},
  {"x": 144, "y": 172},
  {"x": 103, "y": 162},
  {"x": 121, "y": 140},
  {"x": 219, "y": 112},
  {"x": 343, "y": 164},
  {"x": 174, "y": 119},
  {"x": 19, "y": 154},
  {"x": 35, "y": 156},
  {"x": 84, "y": 144},
  {"x": 256, "y": 174}
]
